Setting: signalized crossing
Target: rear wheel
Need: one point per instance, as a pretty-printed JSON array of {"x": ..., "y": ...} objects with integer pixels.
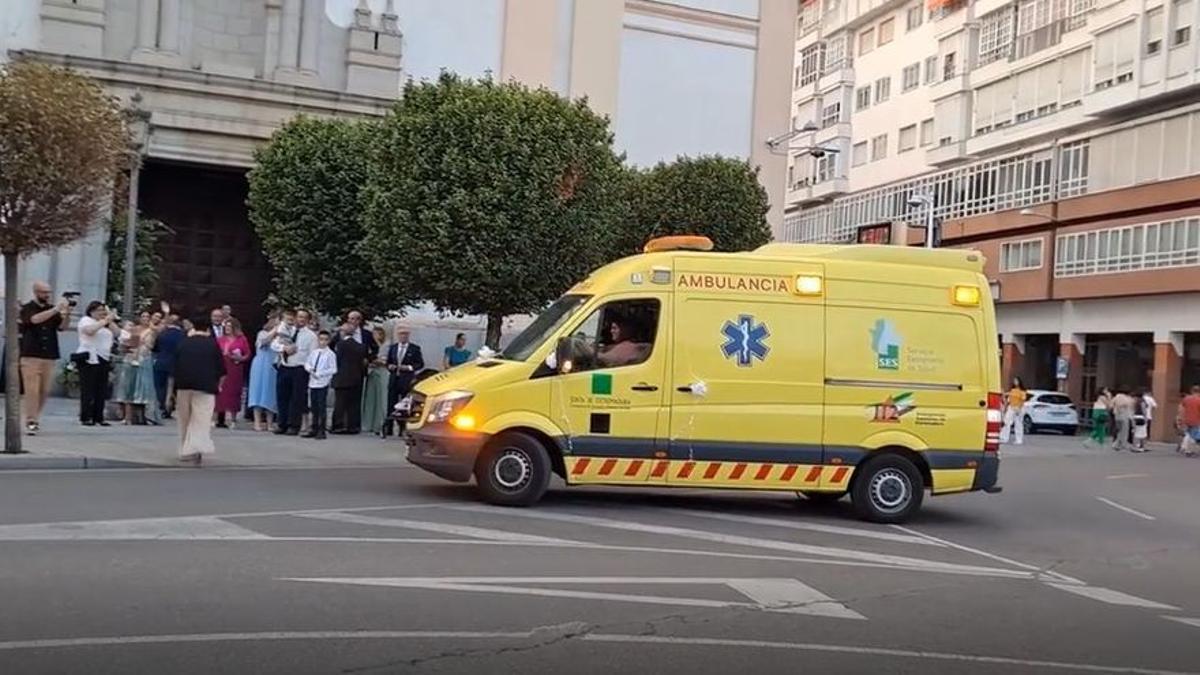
[
  {"x": 821, "y": 498},
  {"x": 887, "y": 489},
  {"x": 514, "y": 470}
]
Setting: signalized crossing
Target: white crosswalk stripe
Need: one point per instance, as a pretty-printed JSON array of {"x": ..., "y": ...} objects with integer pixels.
[
  {"x": 811, "y": 527},
  {"x": 917, "y": 564},
  {"x": 199, "y": 527},
  {"x": 490, "y": 534},
  {"x": 1107, "y": 595}
]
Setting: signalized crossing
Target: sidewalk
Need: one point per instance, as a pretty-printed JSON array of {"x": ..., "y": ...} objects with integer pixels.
[{"x": 64, "y": 444}]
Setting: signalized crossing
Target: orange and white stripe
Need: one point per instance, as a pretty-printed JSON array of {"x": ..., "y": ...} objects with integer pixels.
[{"x": 700, "y": 473}]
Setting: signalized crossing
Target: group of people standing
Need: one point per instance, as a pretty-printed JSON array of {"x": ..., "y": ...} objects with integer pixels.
[
  {"x": 1125, "y": 418},
  {"x": 1120, "y": 417},
  {"x": 295, "y": 367},
  {"x": 205, "y": 370}
]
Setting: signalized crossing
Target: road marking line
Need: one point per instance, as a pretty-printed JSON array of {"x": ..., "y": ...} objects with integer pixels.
[
  {"x": 1110, "y": 596},
  {"x": 247, "y": 514},
  {"x": 461, "y": 530},
  {"x": 1122, "y": 476},
  {"x": 573, "y": 632},
  {"x": 735, "y": 540},
  {"x": 992, "y": 556},
  {"x": 800, "y": 525},
  {"x": 1126, "y": 509},
  {"x": 870, "y": 651},
  {"x": 193, "y": 527},
  {"x": 248, "y": 637},
  {"x": 776, "y": 595},
  {"x": 1184, "y": 620}
]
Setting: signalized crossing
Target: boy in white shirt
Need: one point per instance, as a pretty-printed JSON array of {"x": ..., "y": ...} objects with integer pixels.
[{"x": 321, "y": 367}]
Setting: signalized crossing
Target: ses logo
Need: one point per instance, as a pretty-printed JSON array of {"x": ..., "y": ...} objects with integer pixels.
[{"x": 885, "y": 342}]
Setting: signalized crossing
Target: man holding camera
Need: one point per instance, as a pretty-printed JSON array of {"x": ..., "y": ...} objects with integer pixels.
[{"x": 40, "y": 325}]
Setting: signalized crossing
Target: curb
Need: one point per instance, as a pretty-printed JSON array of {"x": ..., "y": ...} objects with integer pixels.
[{"x": 26, "y": 463}]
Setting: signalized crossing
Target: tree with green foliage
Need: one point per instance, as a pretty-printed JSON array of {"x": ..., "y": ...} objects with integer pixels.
[
  {"x": 489, "y": 198},
  {"x": 147, "y": 260},
  {"x": 718, "y": 197},
  {"x": 304, "y": 204},
  {"x": 62, "y": 141}
]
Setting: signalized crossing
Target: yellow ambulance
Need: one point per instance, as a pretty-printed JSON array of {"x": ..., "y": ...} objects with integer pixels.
[{"x": 818, "y": 369}]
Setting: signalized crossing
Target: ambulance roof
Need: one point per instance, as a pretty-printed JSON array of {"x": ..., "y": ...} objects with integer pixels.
[{"x": 953, "y": 258}]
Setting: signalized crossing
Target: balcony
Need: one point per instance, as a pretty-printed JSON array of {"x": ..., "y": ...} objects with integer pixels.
[
  {"x": 958, "y": 82},
  {"x": 805, "y": 191},
  {"x": 948, "y": 152},
  {"x": 838, "y": 77}
]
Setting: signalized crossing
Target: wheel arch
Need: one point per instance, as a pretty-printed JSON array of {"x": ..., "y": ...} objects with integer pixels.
[
  {"x": 917, "y": 458},
  {"x": 538, "y": 434}
]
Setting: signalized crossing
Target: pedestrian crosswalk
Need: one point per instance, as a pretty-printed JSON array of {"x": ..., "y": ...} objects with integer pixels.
[{"x": 709, "y": 537}]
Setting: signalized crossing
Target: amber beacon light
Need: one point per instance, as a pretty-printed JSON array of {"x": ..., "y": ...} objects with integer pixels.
[{"x": 687, "y": 242}]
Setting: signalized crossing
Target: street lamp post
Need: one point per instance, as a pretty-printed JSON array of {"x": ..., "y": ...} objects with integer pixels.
[
  {"x": 925, "y": 199},
  {"x": 139, "y": 125}
]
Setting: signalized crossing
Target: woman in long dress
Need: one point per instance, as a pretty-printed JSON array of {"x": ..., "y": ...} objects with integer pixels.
[
  {"x": 134, "y": 385},
  {"x": 235, "y": 349},
  {"x": 261, "y": 397},
  {"x": 374, "y": 401}
]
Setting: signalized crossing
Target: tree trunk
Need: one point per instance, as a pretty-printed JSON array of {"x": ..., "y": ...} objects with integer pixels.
[
  {"x": 495, "y": 321},
  {"x": 12, "y": 355}
]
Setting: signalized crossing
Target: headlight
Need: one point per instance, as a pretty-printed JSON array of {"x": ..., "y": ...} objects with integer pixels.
[{"x": 444, "y": 406}]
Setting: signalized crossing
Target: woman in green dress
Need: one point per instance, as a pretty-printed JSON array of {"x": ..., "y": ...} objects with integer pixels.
[{"x": 374, "y": 400}]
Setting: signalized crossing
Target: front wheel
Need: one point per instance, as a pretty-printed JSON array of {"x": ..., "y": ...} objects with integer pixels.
[
  {"x": 1028, "y": 424},
  {"x": 887, "y": 489},
  {"x": 514, "y": 470}
]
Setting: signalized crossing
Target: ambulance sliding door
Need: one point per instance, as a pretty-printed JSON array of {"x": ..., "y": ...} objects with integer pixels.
[{"x": 747, "y": 375}]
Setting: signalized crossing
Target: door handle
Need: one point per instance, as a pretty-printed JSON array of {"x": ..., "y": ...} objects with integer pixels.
[
  {"x": 642, "y": 386},
  {"x": 686, "y": 389}
]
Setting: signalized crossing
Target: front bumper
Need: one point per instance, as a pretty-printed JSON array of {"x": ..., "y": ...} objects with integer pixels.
[
  {"x": 444, "y": 451},
  {"x": 987, "y": 474}
]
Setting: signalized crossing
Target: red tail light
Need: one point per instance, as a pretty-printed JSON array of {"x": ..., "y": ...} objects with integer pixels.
[{"x": 995, "y": 419}]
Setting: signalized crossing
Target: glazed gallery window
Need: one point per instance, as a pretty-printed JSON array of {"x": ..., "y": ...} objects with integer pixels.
[{"x": 1016, "y": 256}]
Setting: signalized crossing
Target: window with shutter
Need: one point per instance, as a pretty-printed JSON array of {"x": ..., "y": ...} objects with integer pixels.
[
  {"x": 1154, "y": 31},
  {"x": 1072, "y": 77}
]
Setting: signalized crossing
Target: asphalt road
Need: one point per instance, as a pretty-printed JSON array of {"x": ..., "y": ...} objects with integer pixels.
[{"x": 390, "y": 570}]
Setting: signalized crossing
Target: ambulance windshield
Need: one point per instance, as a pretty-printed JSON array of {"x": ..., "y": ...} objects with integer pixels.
[{"x": 542, "y": 327}]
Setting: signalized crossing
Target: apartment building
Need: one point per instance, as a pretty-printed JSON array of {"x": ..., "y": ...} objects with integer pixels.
[
  {"x": 1059, "y": 137},
  {"x": 213, "y": 79}
]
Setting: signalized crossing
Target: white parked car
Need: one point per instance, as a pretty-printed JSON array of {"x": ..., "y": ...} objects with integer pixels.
[{"x": 1050, "y": 410}]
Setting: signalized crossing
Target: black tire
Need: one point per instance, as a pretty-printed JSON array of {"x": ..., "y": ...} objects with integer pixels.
[
  {"x": 1070, "y": 431},
  {"x": 1028, "y": 424},
  {"x": 887, "y": 489},
  {"x": 514, "y": 470},
  {"x": 821, "y": 498}
]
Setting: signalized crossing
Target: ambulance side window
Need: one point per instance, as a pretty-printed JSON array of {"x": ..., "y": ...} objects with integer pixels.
[{"x": 619, "y": 333}]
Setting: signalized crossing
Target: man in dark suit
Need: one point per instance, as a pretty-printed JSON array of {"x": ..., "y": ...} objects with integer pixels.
[
  {"x": 349, "y": 397},
  {"x": 348, "y": 382},
  {"x": 404, "y": 361}
]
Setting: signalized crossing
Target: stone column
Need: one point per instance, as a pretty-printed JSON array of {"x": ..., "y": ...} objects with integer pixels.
[
  {"x": 1070, "y": 347},
  {"x": 271, "y": 46},
  {"x": 289, "y": 35},
  {"x": 147, "y": 28},
  {"x": 310, "y": 34},
  {"x": 1012, "y": 359},
  {"x": 168, "y": 36},
  {"x": 1166, "y": 385}
]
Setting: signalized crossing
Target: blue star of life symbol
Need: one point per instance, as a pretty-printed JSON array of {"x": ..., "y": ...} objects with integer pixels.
[{"x": 745, "y": 339}]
